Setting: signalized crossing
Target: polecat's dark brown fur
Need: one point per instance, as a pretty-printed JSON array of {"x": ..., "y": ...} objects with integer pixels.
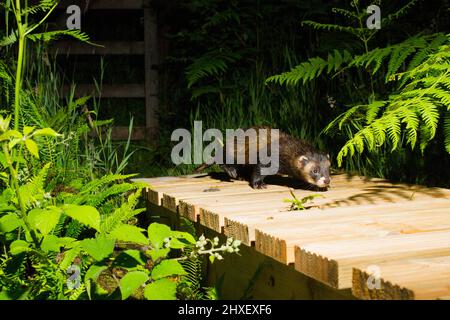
[{"x": 297, "y": 158}]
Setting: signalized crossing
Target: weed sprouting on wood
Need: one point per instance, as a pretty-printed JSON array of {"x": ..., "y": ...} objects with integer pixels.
[{"x": 299, "y": 204}]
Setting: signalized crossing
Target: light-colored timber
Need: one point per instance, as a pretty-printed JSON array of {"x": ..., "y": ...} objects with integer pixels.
[{"x": 359, "y": 224}]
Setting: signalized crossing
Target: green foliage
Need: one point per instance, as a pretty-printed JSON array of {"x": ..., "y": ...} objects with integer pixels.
[
  {"x": 299, "y": 204},
  {"x": 55, "y": 257},
  {"x": 311, "y": 69},
  {"x": 62, "y": 229},
  {"x": 415, "y": 107},
  {"x": 415, "y": 72},
  {"x": 210, "y": 64}
]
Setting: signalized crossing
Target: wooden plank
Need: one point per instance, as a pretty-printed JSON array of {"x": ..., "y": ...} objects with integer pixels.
[
  {"x": 332, "y": 261},
  {"x": 245, "y": 197},
  {"x": 104, "y": 4},
  {"x": 107, "y": 91},
  {"x": 243, "y": 226},
  {"x": 104, "y": 48},
  {"x": 155, "y": 193},
  {"x": 416, "y": 278},
  {"x": 360, "y": 222},
  {"x": 151, "y": 65},
  {"x": 214, "y": 191},
  {"x": 278, "y": 238},
  {"x": 167, "y": 181},
  {"x": 214, "y": 211}
]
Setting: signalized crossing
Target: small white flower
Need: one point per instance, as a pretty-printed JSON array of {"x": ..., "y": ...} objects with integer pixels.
[
  {"x": 216, "y": 241},
  {"x": 236, "y": 243}
]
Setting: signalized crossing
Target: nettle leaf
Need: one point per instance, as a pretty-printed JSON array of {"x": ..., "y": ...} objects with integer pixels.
[
  {"x": 157, "y": 232},
  {"x": 87, "y": 215},
  {"x": 129, "y": 233},
  {"x": 98, "y": 248},
  {"x": 157, "y": 253},
  {"x": 92, "y": 274},
  {"x": 167, "y": 268},
  {"x": 19, "y": 246},
  {"x": 131, "y": 282},
  {"x": 10, "y": 134},
  {"x": 44, "y": 220},
  {"x": 32, "y": 147},
  {"x": 129, "y": 259},
  {"x": 46, "y": 132},
  {"x": 27, "y": 130},
  {"x": 54, "y": 243},
  {"x": 69, "y": 256},
  {"x": 184, "y": 237},
  {"x": 9, "y": 222},
  {"x": 162, "y": 289}
]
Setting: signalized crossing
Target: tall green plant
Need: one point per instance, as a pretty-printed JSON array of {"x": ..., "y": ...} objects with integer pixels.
[{"x": 25, "y": 31}]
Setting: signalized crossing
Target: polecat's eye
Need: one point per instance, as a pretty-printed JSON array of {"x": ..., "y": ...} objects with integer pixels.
[{"x": 315, "y": 171}]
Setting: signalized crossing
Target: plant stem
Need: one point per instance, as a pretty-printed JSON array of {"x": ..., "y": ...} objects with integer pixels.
[
  {"x": 18, "y": 82},
  {"x": 15, "y": 183}
]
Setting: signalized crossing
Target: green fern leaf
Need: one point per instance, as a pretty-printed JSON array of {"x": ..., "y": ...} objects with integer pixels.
[
  {"x": 447, "y": 131},
  {"x": 53, "y": 35},
  {"x": 210, "y": 64}
]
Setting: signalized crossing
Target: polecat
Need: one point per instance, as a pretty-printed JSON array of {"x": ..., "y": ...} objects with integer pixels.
[{"x": 297, "y": 158}]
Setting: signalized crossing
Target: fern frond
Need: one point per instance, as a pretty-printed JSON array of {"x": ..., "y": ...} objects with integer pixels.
[
  {"x": 4, "y": 74},
  {"x": 74, "y": 229},
  {"x": 122, "y": 214},
  {"x": 43, "y": 5},
  {"x": 115, "y": 189},
  {"x": 426, "y": 49},
  {"x": 9, "y": 40},
  {"x": 346, "y": 13},
  {"x": 75, "y": 294},
  {"x": 447, "y": 131},
  {"x": 34, "y": 190},
  {"x": 398, "y": 56},
  {"x": 373, "y": 109},
  {"x": 211, "y": 63},
  {"x": 53, "y": 35},
  {"x": 430, "y": 115},
  {"x": 358, "y": 32},
  {"x": 399, "y": 13},
  {"x": 103, "y": 181},
  {"x": 311, "y": 69}
]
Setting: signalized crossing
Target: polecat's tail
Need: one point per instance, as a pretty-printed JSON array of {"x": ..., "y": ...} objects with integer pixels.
[{"x": 202, "y": 167}]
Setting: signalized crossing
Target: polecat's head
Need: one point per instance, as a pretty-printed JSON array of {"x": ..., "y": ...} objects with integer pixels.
[{"x": 315, "y": 168}]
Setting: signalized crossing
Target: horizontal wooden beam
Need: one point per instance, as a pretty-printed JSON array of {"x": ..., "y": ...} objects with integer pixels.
[
  {"x": 107, "y": 91},
  {"x": 105, "y": 4},
  {"x": 121, "y": 133},
  {"x": 104, "y": 48}
]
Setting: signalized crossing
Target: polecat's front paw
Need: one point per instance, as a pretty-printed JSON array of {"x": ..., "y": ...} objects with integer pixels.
[{"x": 258, "y": 185}]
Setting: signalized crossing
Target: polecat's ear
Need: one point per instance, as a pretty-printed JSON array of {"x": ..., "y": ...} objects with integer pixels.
[
  {"x": 328, "y": 156},
  {"x": 303, "y": 160}
]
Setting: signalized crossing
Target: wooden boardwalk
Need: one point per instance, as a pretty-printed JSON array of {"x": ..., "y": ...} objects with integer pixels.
[{"x": 382, "y": 240}]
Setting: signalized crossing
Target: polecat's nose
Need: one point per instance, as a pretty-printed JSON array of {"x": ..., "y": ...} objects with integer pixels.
[{"x": 327, "y": 181}]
